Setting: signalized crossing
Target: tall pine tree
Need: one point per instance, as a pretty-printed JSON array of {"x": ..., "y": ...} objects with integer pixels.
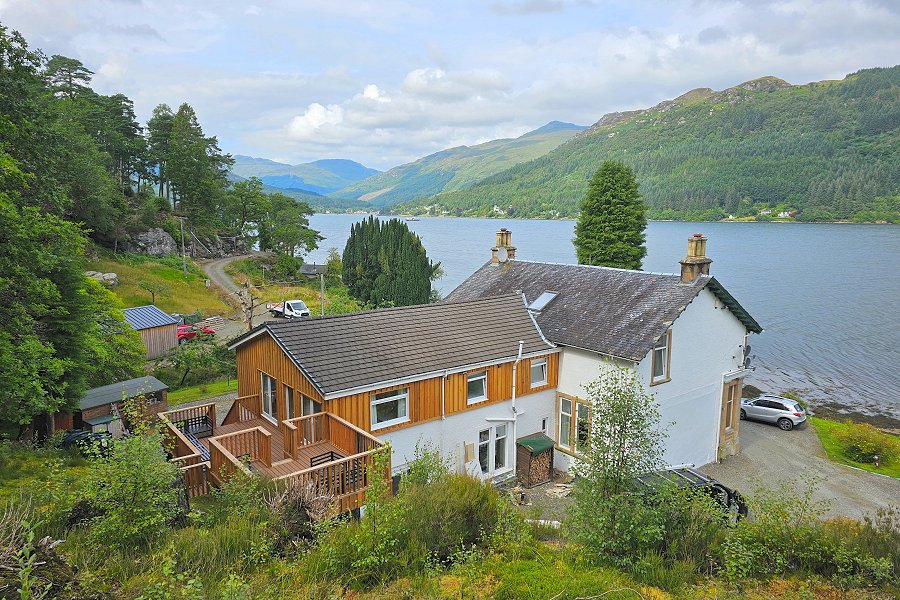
[
  {"x": 384, "y": 264},
  {"x": 610, "y": 229}
]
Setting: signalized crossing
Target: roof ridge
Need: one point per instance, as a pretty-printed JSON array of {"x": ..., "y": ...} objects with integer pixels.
[
  {"x": 598, "y": 267},
  {"x": 375, "y": 311}
]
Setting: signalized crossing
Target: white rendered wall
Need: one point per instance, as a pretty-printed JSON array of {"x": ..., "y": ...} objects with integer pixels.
[
  {"x": 706, "y": 344},
  {"x": 451, "y": 434}
]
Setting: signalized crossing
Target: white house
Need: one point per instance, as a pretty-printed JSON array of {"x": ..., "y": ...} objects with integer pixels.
[{"x": 684, "y": 334}]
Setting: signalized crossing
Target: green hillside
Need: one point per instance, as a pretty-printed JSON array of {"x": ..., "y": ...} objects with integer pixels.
[
  {"x": 457, "y": 168},
  {"x": 320, "y": 177},
  {"x": 828, "y": 150}
]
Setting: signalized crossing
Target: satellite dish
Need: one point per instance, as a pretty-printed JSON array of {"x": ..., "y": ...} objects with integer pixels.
[
  {"x": 747, "y": 362},
  {"x": 746, "y": 350},
  {"x": 502, "y": 254}
]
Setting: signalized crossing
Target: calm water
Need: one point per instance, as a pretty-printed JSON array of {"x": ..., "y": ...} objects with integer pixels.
[{"x": 827, "y": 296}]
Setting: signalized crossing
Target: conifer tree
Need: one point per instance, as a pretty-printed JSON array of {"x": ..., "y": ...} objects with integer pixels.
[
  {"x": 610, "y": 229},
  {"x": 384, "y": 263}
]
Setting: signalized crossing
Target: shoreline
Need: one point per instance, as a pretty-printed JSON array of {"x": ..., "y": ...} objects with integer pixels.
[{"x": 498, "y": 218}]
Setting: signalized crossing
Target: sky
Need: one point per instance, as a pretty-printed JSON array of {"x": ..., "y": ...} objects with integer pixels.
[{"x": 384, "y": 82}]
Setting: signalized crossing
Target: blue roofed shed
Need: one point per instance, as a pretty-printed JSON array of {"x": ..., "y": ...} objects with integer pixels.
[{"x": 158, "y": 330}]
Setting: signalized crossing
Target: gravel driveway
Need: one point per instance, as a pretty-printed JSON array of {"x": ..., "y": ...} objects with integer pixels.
[{"x": 770, "y": 456}]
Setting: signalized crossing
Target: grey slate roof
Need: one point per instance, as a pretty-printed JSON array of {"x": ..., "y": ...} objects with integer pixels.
[
  {"x": 116, "y": 392},
  {"x": 614, "y": 312},
  {"x": 145, "y": 317},
  {"x": 345, "y": 352}
]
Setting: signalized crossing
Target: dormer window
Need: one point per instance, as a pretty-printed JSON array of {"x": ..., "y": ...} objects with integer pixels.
[
  {"x": 542, "y": 301},
  {"x": 661, "y": 359}
]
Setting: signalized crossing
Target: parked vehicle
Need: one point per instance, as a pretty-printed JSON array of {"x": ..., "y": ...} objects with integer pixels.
[
  {"x": 686, "y": 477},
  {"x": 86, "y": 441},
  {"x": 289, "y": 309},
  {"x": 188, "y": 332},
  {"x": 784, "y": 412}
]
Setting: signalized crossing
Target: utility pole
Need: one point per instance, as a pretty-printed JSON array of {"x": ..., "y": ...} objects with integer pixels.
[{"x": 183, "y": 257}]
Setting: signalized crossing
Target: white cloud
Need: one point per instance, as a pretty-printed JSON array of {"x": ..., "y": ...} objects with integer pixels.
[{"x": 391, "y": 81}]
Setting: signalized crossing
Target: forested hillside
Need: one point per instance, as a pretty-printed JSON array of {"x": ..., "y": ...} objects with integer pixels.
[
  {"x": 457, "y": 168},
  {"x": 823, "y": 151},
  {"x": 76, "y": 167},
  {"x": 319, "y": 177}
]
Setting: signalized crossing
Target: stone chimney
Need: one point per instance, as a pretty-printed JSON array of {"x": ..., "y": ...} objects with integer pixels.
[
  {"x": 504, "y": 247},
  {"x": 695, "y": 263}
]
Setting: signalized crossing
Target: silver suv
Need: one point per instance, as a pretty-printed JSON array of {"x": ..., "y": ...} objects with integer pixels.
[{"x": 784, "y": 412}]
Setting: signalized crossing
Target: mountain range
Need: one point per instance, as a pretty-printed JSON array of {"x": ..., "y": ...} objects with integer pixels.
[
  {"x": 825, "y": 150},
  {"x": 320, "y": 177}
]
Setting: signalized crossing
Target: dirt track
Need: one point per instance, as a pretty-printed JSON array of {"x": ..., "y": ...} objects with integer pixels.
[{"x": 770, "y": 456}]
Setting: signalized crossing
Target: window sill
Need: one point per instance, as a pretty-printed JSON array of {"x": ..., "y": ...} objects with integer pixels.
[
  {"x": 476, "y": 401},
  {"x": 660, "y": 381},
  {"x": 270, "y": 418},
  {"x": 387, "y": 424}
]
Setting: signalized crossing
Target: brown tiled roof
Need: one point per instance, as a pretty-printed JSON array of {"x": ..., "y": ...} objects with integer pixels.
[
  {"x": 345, "y": 352},
  {"x": 615, "y": 312}
]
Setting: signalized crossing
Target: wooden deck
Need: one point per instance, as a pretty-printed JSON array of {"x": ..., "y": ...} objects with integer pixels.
[
  {"x": 282, "y": 464},
  {"x": 321, "y": 450}
]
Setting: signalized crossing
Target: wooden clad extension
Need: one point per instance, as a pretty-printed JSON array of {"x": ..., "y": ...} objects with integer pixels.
[
  {"x": 263, "y": 355},
  {"x": 159, "y": 340}
]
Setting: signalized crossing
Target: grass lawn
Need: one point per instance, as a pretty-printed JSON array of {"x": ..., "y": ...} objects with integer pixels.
[
  {"x": 827, "y": 431},
  {"x": 26, "y": 470},
  {"x": 187, "y": 295},
  {"x": 200, "y": 391}
]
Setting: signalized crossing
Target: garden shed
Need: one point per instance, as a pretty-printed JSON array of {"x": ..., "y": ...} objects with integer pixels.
[{"x": 158, "y": 329}]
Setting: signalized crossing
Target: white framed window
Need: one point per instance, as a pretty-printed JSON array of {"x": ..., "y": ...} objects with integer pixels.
[
  {"x": 582, "y": 427},
  {"x": 476, "y": 387},
  {"x": 499, "y": 447},
  {"x": 564, "y": 439},
  {"x": 308, "y": 406},
  {"x": 659, "y": 362},
  {"x": 269, "y": 396},
  {"x": 389, "y": 408},
  {"x": 484, "y": 450},
  {"x": 538, "y": 372},
  {"x": 493, "y": 449},
  {"x": 289, "y": 411}
]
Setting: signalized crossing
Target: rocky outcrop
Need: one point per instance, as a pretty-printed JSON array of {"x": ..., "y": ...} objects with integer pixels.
[
  {"x": 107, "y": 279},
  {"x": 155, "y": 242}
]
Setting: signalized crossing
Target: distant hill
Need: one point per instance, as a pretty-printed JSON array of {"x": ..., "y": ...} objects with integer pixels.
[
  {"x": 829, "y": 150},
  {"x": 456, "y": 168},
  {"x": 321, "y": 176},
  {"x": 318, "y": 202}
]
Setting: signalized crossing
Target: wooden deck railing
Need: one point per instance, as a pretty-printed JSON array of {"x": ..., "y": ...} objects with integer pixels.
[
  {"x": 345, "y": 480},
  {"x": 228, "y": 452},
  {"x": 199, "y": 420},
  {"x": 245, "y": 408},
  {"x": 176, "y": 443},
  {"x": 195, "y": 479},
  {"x": 325, "y": 427}
]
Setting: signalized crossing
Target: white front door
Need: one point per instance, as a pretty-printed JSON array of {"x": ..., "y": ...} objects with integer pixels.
[{"x": 493, "y": 449}]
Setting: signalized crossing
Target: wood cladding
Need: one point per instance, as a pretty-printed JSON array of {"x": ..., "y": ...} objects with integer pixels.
[
  {"x": 159, "y": 340},
  {"x": 263, "y": 354}
]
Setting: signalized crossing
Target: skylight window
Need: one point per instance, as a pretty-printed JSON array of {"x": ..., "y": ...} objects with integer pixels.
[{"x": 542, "y": 301}]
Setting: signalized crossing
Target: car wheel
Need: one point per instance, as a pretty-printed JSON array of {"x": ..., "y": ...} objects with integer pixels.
[
  {"x": 182, "y": 341},
  {"x": 743, "y": 414},
  {"x": 785, "y": 424}
]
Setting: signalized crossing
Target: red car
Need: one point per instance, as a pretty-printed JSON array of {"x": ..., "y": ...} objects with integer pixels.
[{"x": 188, "y": 332}]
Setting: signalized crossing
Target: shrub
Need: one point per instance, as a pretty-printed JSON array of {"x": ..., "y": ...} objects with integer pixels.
[
  {"x": 135, "y": 490},
  {"x": 862, "y": 442}
]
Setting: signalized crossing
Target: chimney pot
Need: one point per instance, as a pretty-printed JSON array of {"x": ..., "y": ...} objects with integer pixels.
[
  {"x": 695, "y": 263},
  {"x": 504, "y": 240}
]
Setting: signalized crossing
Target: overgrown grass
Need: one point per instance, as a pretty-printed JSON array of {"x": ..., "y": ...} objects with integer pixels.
[
  {"x": 200, "y": 391},
  {"x": 830, "y": 432},
  {"x": 187, "y": 294},
  {"x": 337, "y": 299},
  {"x": 30, "y": 469}
]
